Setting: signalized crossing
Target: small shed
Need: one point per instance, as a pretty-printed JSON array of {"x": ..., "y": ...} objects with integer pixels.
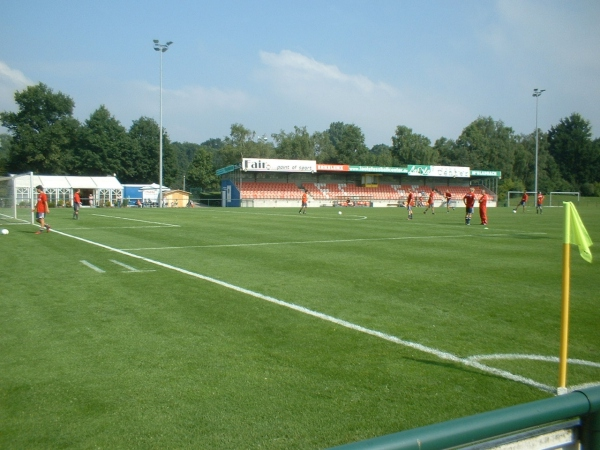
[{"x": 176, "y": 198}]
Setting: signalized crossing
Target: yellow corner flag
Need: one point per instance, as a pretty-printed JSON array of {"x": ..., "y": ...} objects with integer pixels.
[{"x": 575, "y": 232}]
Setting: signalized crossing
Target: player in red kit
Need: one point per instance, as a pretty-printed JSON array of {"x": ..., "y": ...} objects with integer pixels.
[
  {"x": 430, "y": 203},
  {"x": 523, "y": 202},
  {"x": 304, "y": 202},
  {"x": 469, "y": 201},
  {"x": 448, "y": 196},
  {"x": 539, "y": 204},
  {"x": 41, "y": 209},
  {"x": 483, "y": 208},
  {"x": 409, "y": 204}
]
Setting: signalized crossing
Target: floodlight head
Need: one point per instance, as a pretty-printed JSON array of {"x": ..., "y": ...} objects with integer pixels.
[
  {"x": 156, "y": 41},
  {"x": 169, "y": 43}
]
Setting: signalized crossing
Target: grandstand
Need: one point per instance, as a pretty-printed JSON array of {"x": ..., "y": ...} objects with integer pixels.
[
  {"x": 349, "y": 194},
  {"x": 270, "y": 183},
  {"x": 269, "y": 190}
]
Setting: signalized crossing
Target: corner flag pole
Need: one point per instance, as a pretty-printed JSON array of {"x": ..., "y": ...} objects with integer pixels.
[
  {"x": 564, "y": 317},
  {"x": 575, "y": 233}
]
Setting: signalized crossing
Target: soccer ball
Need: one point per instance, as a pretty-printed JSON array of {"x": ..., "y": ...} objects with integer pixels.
[
  {"x": 4, "y": 231},
  {"x": 339, "y": 212},
  {"x": 515, "y": 211}
]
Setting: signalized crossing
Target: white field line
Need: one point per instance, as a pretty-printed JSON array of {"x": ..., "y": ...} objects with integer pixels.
[
  {"x": 552, "y": 359},
  {"x": 429, "y": 350},
  {"x": 119, "y": 263},
  {"x": 329, "y": 241},
  {"x": 335, "y": 215},
  {"x": 118, "y": 228},
  {"x": 137, "y": 220},
  {"x": 130, "y": 269},
  {"x": 91, "y": 266}
]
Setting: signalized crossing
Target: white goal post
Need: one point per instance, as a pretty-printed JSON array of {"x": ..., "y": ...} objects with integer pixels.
[
  {"x": 553, "y": 199},
  {"x": 557, "y": 198},
  {"x": 17, "y": 199}
]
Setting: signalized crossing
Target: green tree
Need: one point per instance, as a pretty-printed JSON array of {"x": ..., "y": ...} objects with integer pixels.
[
  {"x": 349, "y": 144},
  {"x": 5, "y": 140},
  {"x": 145, "y": 131},
  {"x": 381, "y": 155},
  {"x": 201, "y": 172},
  {"x": 242, "y": 143},
  {"x": 43, "y": 131},
  {"x": 105, "y": 148},
  {"x": 213, "y": 144},
  {"x": 489, "y": 144},
  {"x": 412, "y": 148},
  {"x": 323, "y": 149},
  {"x": 184, "y": 153},
  {"x": 570, "y": 143},
  {"x": 295, "y": 145},
  {"x": 449, "y": 154}
]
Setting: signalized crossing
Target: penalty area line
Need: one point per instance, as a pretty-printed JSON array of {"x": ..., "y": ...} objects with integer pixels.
[
  {"x": 327, "y": 241},
  {"x": 414, "y": 345},
  {"x": 137, "y": 220}
]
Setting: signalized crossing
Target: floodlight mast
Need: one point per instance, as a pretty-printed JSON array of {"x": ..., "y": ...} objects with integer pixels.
[
  {"x": 536, "y": 93},
  {"x": 160, "y": 48}
]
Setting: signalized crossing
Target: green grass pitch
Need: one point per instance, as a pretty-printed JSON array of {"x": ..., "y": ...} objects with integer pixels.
[{"x": 262, "y": 328}]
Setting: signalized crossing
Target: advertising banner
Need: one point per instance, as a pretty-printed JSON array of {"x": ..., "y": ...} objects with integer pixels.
[
  {"x": 278, "y": 165},
  {"x": 439, "y": 171}
]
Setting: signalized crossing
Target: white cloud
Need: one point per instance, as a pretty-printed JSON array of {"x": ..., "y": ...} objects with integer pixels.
[
  {"x": 291, "y": 69},
  {"x": 11, "y": 80},
  {"x": 304, "y": 87}
]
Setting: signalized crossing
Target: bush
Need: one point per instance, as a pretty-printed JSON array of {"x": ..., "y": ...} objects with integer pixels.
[{"x": 588, "y": 189}]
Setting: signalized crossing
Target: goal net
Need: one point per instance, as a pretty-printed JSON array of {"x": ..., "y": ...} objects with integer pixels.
[
  {"x": 513, "y": 198},
  {"x": 16, "y": 199},
  {"x": 557, "y": 198}
]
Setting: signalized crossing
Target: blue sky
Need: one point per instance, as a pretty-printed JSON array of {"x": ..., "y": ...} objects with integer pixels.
[{"x": 433, "y": 66}]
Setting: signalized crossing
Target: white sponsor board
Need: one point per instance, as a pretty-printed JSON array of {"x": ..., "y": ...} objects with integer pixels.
[
  {"x": 439, "y": 171},
  {"x": 278, "y": 165}
]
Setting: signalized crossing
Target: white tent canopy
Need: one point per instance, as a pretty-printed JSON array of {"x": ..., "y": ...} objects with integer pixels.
[
  {"x": 69, "y": 182},
  {"x": 106, "y": 191}
]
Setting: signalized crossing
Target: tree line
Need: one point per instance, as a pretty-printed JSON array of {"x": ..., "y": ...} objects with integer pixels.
[{"x": 45, "y": 138}]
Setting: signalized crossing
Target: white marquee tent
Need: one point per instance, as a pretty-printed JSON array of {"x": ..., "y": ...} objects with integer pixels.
[{"x": 60, "y": 188}]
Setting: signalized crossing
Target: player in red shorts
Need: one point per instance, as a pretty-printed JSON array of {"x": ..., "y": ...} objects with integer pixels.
[
  {"x": 409, "y": 204},
  {"x": 469, "y": 201},
  {"x": 430, "y": 203},
  {"x": 540, "y": 203},
  {"x": 41, "y": 209},
  {"x": 448, "y": 196}
]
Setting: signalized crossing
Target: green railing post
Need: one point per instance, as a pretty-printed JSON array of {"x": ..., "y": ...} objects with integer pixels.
[{"x": 590, "y": 425}]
